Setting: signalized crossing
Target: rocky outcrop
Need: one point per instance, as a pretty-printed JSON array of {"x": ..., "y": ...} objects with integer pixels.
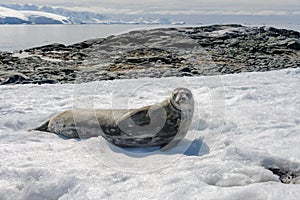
[{"x": 164, "y": 52}]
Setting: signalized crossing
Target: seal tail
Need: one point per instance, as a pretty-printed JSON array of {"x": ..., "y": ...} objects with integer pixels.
[{"x": 42, "y": 127}]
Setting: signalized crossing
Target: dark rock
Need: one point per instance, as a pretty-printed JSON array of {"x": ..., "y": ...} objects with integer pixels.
[
  {"x": 87, "y": 43},
  {"x": 293, "y": 45},
  {"x": 46, "y": 81},
  {"x": 186, "y": 74},
  {"x": 78, "y": 56},
  {"x": 68, "y": 71},
  {"x": 195, "y": 72},
  {"x": 223, "y": 49},
  {"x": 185, "y": 69},
  {"x": 5, "y": 55},
  {"x": 50, "y": 47},
  {"x": 285, "y": 176},
  {"x": 282, "y": 32},
  {"x": 15, "y": 79}
]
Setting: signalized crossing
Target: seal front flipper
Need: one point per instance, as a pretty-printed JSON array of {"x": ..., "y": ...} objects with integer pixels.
[
  {"x": 42, "y": 127},
  {"x": 131, "y": 122},
  {"x": 139, "y": 117}
]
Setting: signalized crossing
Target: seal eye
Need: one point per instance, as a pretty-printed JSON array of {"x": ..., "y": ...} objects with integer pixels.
[{"x": 175, "y": 94}]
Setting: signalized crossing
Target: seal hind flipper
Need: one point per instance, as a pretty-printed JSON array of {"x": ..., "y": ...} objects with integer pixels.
[{"x": 42, "y": 127}]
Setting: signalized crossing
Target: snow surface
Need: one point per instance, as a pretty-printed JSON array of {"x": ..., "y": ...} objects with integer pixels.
[
  {"x": 28, "y": 11},
  {"x": 33, "y": 15},
  {"x": 28, "y": 55},
  {"x": 244, "y": 123},
  {"x": 7, "y": 12},
  {"x": 60, "y": 18}
]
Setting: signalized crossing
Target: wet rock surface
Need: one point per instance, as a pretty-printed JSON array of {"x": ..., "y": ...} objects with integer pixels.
[{"x": 163, "y": 52}]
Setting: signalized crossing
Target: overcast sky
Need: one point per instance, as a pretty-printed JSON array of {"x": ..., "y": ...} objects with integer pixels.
[{"x": 261, "y": 7}]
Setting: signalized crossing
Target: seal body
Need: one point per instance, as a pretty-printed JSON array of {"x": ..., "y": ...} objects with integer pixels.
[{"x": 163, "y": 124}]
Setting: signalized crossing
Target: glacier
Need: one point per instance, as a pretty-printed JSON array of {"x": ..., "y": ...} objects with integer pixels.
[
  {"x": 10, "y": 16},
  {"x": 33, "y": 14}
]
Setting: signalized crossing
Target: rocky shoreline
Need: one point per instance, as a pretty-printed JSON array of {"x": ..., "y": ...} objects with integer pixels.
[{"x": 163, "y": 52}]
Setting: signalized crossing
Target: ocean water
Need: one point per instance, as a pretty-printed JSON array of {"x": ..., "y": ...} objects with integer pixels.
[{"x": 20, "y": 37}]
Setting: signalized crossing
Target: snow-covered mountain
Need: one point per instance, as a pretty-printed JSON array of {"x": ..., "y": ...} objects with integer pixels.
[
  {"x": 143, "y": 20},
  {"x": 32, "y": 14},
  {"x": 11, "y": 16},
  {"x": 38, "y": 17},
  {"x": 75, "y": 16}
]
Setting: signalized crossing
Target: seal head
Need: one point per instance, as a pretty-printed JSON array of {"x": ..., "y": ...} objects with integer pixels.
[{"x": 182, "y": 99}]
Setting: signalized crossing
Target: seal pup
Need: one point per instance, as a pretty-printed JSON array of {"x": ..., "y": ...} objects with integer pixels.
[{"x": 163, "y": 124}]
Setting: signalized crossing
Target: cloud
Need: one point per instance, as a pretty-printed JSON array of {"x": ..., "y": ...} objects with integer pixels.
[
  {"x": 174, "y": 7},
  {"x": 222, "y": 12},
  {"x": 296, "y": 13},
  {"x": 101, "y": 10}
]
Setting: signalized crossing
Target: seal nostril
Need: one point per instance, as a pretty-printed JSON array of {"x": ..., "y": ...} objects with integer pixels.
[{"x": 183, "y": 99}]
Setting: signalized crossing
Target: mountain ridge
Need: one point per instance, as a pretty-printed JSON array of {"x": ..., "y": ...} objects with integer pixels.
[{"x": 55, "y": 15}]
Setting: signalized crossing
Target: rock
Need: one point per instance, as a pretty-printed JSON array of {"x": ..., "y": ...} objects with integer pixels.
[
  {"x": 185, "y": 69},
  {"x": 78, "y": 56},
  {"x": 47, "y": 81},
  {"x": 163, "y": 52},
  {"x": 282, "y": 32},
  {"x": 293, "y": 45},
  {"x": 285, "y": 175},
  {"x": 15, "y": 78},
  {"x": 186, "y": 74},
  {"x": 50, "y": 47},
  {"x": 195, "y": 72},
  {"x": 167, "y": 74},
  {"x": 233, "y": 43},
  {"x": 5, "y": 55}
]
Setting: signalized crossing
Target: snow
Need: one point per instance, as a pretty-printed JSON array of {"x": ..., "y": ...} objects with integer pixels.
[
  {"x": 30, "y": 12},
  {"x": 32, "y": 16},
  {"x": 55, "y": 17},
  {"x": 28, "y": 55},
  {"x": 220, "y": 33},
  {"x": 143, "y": 20},
  {"x": 243, "y": 124},
  {"x": 6, "y": 12}
]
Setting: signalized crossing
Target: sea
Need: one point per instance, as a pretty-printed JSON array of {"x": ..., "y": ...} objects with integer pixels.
[{"x": 20, "y": 37}]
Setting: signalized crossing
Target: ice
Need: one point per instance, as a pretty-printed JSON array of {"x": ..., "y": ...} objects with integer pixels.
[
  {"x": 243, "y": 125},
  {"x": 28, "y": 55},
  {"x": 60, "y": 18},
  {"x": 221, "y": 33},
  {"x": 28, "y": 15},
  {"x": 7, "y": 12}
]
